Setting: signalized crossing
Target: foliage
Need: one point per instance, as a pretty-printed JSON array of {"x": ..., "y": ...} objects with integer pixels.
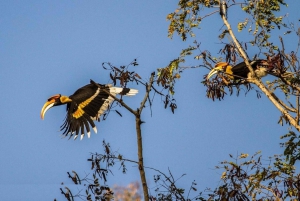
[
  {"x": 259, "y": 14},
  {"x": 166, "y": 77},
  {"x": 167, "y": 190},
  {"x": 187, "y": 16},
  {"x": 122, "y": 76},
  {"x": 252, "y": 178},
  {"x": 243, "y": 178},
  {"x": 94, "y": 182},
  {"x": 264, "y": 15},
  {"x": 93, "y": 189},
  {"x": 292, "y": 147}
]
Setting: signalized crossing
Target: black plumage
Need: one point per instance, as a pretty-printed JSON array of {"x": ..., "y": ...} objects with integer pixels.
[
  {"x": 86, "y": 105},
  {"x": 241, "y": 71}
]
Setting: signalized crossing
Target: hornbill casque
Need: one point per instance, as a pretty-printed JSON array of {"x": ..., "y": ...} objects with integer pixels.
[
  {"x": 86, "y": 105},
  {"x": 240, "y": 71}
]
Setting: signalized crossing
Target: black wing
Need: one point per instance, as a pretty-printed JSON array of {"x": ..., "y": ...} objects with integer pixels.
[{"x": 88, "y": 104}]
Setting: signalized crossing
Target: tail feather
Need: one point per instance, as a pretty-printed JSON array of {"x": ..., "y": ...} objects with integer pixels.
[{"x": 123, "y": 91}]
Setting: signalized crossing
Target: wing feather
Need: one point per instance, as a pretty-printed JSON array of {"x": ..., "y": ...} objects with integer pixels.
[{"x": 88, "y": 104}]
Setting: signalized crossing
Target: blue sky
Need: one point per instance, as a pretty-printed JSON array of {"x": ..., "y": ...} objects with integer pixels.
[{"x": 50, "y": 47}]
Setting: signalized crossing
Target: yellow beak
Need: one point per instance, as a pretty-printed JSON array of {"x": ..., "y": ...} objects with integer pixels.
[
  {"x": 214, "y": 71},
  {"x": 218, "y": 67},
  {"x": 46, "y": 107}
]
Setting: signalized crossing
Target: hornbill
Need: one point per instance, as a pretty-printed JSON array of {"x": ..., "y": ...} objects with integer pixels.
[
  {"x": 86, "y": 105},
  {"x": 240, "y": 71}
]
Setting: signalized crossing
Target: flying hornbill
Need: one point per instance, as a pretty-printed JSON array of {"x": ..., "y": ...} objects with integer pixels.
[
  {"x": 240, "y": 71},
  {"x": 86, "y": 105}
]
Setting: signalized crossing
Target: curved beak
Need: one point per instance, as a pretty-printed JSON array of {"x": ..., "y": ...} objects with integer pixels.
[
  {"x": 218, "y": 67},
  {"x": 211, "y": 73},
  {"x": 46, "y": 107}
]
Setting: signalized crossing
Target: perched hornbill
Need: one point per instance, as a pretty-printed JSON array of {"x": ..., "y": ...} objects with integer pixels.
[
  {"x": 85, "y": 106},
  {"x": 240, "y": 70}
]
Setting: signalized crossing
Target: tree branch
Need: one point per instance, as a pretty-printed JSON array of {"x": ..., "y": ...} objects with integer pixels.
[
  {"x": 238, "y": 45},
  {"x": 148, "y": 89},
  {"x": 138, "y": 123},
  {"x": 172, "y": 181},
  {"x": 272, "y": 97},
  {"x": 283, "y": 104}
]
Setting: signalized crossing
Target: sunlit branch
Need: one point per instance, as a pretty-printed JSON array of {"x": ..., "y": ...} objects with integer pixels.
[
  {"x": 272, "y": 97},
  {"x": 283, "y": 104}
]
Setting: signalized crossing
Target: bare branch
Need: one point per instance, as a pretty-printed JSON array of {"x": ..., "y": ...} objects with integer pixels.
[
  {"x": 138, "y": 123},
  {"x": 209, "y": 14},
  {"x": 138, "y": 131},
  {"x": 148, "y": 89}
]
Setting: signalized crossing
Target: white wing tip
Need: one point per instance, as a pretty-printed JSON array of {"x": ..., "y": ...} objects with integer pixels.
[
  {"x": 95, "y": 129},
  {"x": 132, "y": 92},
  {"x": 89, "y": 134},
  {"x": 81, "y": 137},
  {"x": 118, "y": 90}
]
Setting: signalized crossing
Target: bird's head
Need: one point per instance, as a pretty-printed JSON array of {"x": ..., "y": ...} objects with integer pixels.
[
  {"x": 221, "y": 66},
  {"x": 54, "y": 101}
]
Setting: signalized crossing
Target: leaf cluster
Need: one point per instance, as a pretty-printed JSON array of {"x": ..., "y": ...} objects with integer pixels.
[
  {"x": 167, "y": 189},
  {"x": 252, "y": 178},
  {"x": 187, "y": 16},
  {"x": 93, "y": 184},
  {"x": 121, "y": 75},
  {"x": 292, "y": 147},
  {"x": 165, "y": 78}
]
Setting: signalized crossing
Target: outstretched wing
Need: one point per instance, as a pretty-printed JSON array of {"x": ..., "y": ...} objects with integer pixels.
[
  {"x": 72, "y": 125},
  {"x": 88, "y": 104}
]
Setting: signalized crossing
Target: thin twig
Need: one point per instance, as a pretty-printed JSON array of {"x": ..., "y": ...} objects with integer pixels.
[
  {"x": 157, "y": 91},
  {"x": 209, "y": 14},
  {"x": 148, "y": 89},
  {"x": 123, "y": 159},
  {"x": 284, "y": 105},
  {"x": 172, "y": 181}
]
